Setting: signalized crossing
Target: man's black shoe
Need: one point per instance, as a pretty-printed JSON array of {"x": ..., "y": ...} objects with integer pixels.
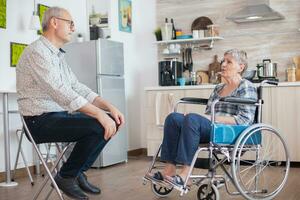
[
  {"x": 70, "y": 187},
  {"x": 86, "y": 186}
]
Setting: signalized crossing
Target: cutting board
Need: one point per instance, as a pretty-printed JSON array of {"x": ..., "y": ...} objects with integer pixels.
[
  {"x": 202, "y": 77},
  {"x": 296, "y": 60},
  {"x": 214, "y": 66}
]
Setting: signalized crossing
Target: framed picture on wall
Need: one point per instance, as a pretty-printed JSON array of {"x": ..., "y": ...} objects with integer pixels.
[
  {"x": 41, "y": 10},
  {"x": 16, "y": 50},
  {"x": 2, "y": 13},
  {"x": 125, "y": 15}
]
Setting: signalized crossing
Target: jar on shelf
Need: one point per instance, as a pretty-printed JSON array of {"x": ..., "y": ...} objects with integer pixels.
[
  {"x": 178, "y": 32},
  {"x": 213, "y": 30},
  {"x": 291, "y": 74}
]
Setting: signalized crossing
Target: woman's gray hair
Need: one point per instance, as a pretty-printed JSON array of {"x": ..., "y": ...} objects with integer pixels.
[
  {"x": 51, "y": 12},
  {"x": 240, "y": 56}
]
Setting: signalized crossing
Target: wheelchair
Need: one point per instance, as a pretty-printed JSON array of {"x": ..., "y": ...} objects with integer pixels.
[{"x": 254, "y": 159}]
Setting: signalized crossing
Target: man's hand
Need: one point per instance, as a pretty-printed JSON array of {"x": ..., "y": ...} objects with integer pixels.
[
  {"x": 118, "y": 117},
  {"x": 108, "y": 124},
  {"x": 114, "y": 112}
]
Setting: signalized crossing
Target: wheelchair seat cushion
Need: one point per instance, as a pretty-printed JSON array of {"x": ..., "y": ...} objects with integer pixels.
[{"x": 225, "y": 134}]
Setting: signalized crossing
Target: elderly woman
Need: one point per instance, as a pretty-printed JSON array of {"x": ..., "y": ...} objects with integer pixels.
[{"x": 183, "y": 133}]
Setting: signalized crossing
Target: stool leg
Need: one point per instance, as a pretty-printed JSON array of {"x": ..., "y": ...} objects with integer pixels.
[
  {"x": 27, "y": 168},
  {"x": 47, "y": 147},
  {"x": 20, "y": 150},
  {"x": 44, "y": 164},
  {"x": 18, "y": 154},
  {"x": 49, "y": 157},
  {"x": 49, "y": 172},
  {"x": 63, "y": 160},
  {"x": 37, "y": 161},
  {"x": 49, "y": 193}
]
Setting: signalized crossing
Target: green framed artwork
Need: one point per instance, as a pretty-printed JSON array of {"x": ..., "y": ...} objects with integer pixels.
[
  {"x": 16, "y": 50},
  {"x": 41, "y": 10},
  {"x": 2, "y": 13},
  {"x": 125, "y": 15}
]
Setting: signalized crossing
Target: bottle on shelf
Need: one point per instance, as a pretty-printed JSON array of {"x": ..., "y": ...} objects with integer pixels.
[
  {"x": 173, "y": 30},
  {"x": 193, "y": 78},
  {"x": 213, "y": 78},
  {"x": 167, "y": 33}
]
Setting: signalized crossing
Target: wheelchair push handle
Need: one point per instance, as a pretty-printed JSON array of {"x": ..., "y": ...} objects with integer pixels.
[
  {"x": 194, "y": 100},
  {"x": 190, "y": 100},
  {"x": 236, "y": 100},
  {"x": 260, "y": 88},
  {"x": 270, "y": 82}
]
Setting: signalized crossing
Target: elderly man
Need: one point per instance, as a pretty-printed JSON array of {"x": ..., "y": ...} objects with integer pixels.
[{"x": 48, "y": 96}]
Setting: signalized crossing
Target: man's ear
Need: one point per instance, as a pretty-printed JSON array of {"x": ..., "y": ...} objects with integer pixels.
[{"x": 53, "y": 22}]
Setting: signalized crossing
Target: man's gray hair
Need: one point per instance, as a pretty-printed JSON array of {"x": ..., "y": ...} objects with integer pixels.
[
  {"x": 240, "y": 56},
  {"x": 51, "y": 12}
]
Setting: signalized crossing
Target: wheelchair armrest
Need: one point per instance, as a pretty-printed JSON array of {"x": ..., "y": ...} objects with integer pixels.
[
  {"x": 194, "y": 100},
  {"x": 238, "y": 100}
]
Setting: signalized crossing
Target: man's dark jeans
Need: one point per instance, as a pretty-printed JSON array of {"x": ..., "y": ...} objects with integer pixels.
[{"x": 86, "y": 131}]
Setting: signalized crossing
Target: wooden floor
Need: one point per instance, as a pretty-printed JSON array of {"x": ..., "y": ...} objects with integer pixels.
[{"x": 124, "y": 181}]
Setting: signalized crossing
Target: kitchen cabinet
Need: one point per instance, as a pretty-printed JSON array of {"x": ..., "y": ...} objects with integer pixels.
[
  {"x": 285, "y": 109},
  {"x": 281, "y": 110},
  {"x": 158, "y": 105}
]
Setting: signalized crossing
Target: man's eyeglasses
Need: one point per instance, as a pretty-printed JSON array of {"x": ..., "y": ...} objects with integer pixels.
[{"x": 70, "y": 22}]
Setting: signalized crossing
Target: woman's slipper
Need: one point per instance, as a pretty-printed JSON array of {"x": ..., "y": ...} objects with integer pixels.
[
  {"x": 158, "y": 176},
  {"x": 176, "y": 180}
]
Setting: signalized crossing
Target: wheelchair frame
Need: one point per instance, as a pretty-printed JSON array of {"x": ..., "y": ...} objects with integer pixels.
[{"x": 235, "y": 150}]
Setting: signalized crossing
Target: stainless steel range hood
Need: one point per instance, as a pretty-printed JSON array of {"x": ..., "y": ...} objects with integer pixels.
[{"x": 253, "y": 13}]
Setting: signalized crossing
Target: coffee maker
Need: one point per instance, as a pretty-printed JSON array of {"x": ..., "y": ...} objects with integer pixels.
[{"x": 169, "y": 71}]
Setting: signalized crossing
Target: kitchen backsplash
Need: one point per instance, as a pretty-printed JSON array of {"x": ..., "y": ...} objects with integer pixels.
[{"x": 277, "y": 40}]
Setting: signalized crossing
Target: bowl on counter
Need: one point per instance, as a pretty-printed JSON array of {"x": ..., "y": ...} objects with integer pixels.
[{"x": 249, "y": 74}]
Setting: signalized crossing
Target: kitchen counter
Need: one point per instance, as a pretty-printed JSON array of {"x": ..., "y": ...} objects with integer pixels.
[{"x": 209, "y": 86}]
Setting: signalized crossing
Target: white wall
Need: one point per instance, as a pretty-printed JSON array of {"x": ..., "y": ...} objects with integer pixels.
[
  {"x": 140, "y": 63},
  {"x": 18, "y": 17},
  {"x": 140, "y": 59}
]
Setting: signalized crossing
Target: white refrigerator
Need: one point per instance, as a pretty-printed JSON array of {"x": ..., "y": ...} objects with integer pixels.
[{"x": 99, "y": 64}]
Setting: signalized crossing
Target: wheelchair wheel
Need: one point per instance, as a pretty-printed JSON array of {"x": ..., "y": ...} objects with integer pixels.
[
  {"x": 260, "y": 162},
  {"x": 161, "y": 191},
  {"x": 206, "y": 193}
]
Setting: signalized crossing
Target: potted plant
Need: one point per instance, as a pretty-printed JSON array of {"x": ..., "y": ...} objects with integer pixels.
[{"x": 157, "y": 33}]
